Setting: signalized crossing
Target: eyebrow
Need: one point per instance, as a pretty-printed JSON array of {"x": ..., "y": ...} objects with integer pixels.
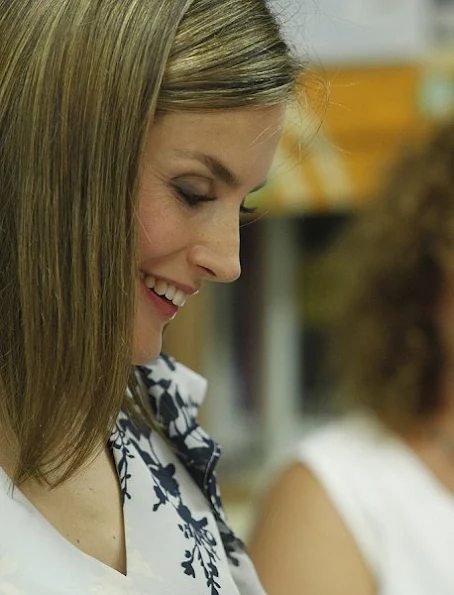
[{"x": 218, "y": 169}]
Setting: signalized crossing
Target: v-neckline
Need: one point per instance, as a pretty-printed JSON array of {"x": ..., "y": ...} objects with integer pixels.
[{"x": 17, "y": 494}]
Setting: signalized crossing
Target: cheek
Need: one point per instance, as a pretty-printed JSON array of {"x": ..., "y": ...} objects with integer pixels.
[{"x": 161, "y": 230}]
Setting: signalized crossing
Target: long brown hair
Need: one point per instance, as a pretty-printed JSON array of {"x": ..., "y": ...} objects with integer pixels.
[{"x": 80, "y": 83}]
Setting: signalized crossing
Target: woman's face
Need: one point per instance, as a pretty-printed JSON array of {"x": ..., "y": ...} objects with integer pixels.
[{"x": 198, "y": 170}]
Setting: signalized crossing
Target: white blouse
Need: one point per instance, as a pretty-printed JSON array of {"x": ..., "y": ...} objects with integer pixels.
[
  {"x": 178, "y": 541},
  {"x": 400, "y": 516}
]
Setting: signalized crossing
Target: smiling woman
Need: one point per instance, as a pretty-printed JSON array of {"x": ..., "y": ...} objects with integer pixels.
[
  {"x": 131, "y": 133},
  {"x": 192, "y": 190}
]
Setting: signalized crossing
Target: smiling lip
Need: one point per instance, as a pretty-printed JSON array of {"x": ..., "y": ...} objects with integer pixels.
[
  {"x": 164, "y": 308},
  {"x": 187, "y": 289}
]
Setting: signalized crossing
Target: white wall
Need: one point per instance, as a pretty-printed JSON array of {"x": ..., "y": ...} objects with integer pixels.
[{"x": 339, "y": 31}]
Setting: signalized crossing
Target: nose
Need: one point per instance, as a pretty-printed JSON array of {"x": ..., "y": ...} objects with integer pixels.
[{"x": 217, "y": 256}]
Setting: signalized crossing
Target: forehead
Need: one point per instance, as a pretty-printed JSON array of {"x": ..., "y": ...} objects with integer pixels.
[
  {"x": 248, "y": 120},
  {"x": 236, "y": 137}
]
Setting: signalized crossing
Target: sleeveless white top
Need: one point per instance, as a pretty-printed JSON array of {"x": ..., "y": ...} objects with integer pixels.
[
  {"x": 178, "y": 541},
  {"x": 400, "y": 515}
]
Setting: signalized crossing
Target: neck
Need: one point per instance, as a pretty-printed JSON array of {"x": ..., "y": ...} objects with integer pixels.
[{"x": 9, "y": 457}]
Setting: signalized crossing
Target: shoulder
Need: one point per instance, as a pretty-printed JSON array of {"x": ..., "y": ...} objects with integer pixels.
[
  {"x": 301, "y": 544},
  {"x": 357, "y": 434},
  {"x": 341, "y": 452}
]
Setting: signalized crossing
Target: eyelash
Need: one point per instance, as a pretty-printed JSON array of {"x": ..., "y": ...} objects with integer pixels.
[{"x": 192, "y": 200}]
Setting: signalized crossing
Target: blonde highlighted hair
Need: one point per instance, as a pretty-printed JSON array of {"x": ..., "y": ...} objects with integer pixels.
[{"x": 80, "y": 84}]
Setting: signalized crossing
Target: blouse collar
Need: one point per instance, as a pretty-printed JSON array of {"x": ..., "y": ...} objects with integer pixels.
[{"x": 176, "y": 394}]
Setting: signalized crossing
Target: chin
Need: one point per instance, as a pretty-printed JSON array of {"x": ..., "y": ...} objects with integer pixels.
[
  {"x": 145, "y": 352},
  {"x": 147, "y": 343}
]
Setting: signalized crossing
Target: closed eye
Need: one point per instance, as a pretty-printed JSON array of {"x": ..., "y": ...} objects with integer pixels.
[
  {"x": 247, "y": 210},
  {"x": 193, "y": 199}
]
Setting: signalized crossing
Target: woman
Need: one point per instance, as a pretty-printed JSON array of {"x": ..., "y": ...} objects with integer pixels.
[
  {"x": 367, "y": 505},
  {"x": 131, "y": 133}
]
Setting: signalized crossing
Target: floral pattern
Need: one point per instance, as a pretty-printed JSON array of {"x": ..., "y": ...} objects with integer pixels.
[
  {"x": 203, "y": 546},
  {"x": 176, "y": 414},
  {"x": 177, "y": 537},
  {"x": 194, "y": 447}
]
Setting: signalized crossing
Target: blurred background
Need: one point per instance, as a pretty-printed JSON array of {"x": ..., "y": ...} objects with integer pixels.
[{"x": 379, "y": 74}]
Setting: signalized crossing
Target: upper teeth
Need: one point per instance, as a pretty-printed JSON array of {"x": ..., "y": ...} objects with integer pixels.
[{"x": 162, "y": 288}]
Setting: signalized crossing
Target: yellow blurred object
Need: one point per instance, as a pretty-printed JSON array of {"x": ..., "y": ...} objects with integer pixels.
[{"x": 336, "y": 144}]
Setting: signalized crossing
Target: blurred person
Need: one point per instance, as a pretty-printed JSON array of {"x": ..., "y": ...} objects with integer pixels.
[
  {"x": 131, "y": 133},
  {"x": 366, "y": 504}
]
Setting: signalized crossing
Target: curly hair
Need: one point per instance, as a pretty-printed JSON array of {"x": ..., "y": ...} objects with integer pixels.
[{"x": 391, "y": 264}]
